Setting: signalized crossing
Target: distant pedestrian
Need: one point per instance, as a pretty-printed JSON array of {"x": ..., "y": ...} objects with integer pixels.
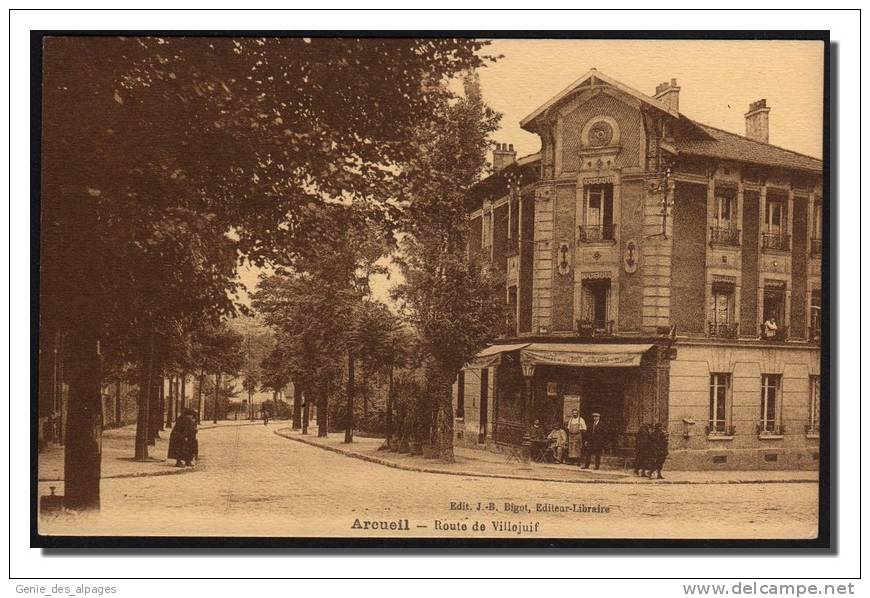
[
  {"x": 659, "y": 446},
  {"x": 642, "y": 450},
  {"x": 595, "y": 438},
  {"x": 183, "y": 445}
]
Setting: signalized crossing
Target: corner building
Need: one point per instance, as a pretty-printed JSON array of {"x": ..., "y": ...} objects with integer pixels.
[{"x": 642, "y": 253}]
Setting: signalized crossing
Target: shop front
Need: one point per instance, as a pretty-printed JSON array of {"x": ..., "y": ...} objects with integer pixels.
[{"x": 626, "y": 383}]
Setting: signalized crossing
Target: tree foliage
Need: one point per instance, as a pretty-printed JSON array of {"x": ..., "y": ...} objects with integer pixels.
[{"x": 452, "y": 301}]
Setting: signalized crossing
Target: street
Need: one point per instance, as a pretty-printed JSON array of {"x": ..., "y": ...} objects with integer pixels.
[{"x": 255, "y": 483}]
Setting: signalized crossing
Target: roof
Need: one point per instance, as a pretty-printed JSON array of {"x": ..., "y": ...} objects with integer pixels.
[
  {"x": 730, "y": 146},
  {"x": 604, "y": 78},
  {"x": 709, "y": 141}
]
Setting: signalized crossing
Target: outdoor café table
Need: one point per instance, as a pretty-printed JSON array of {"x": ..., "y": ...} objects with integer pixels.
[{"x": 538, "y": 449}]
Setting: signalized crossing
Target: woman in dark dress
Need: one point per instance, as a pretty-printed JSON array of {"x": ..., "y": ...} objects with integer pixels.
[{"x": 182, "y": 441}]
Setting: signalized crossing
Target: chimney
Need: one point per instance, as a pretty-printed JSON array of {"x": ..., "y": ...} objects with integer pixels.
[
  {"x": 758, "y": 121},
  {"x": 669, "y": 94},
  {"x": 504, "y": 155}
]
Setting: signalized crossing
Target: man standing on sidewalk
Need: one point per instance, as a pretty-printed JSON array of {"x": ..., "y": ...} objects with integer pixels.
[{"x": 594, "y": 443}]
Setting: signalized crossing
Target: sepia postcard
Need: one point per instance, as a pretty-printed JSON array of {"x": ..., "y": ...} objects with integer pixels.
[{"x": 434, "y": 290}]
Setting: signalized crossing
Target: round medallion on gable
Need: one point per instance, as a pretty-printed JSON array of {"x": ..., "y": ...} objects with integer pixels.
[{"x": 600, "y": 134}]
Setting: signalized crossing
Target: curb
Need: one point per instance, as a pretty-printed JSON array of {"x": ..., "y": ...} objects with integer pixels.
[
  {"x": 141, "y": 474},
  {"x": 394, "y": 465}
]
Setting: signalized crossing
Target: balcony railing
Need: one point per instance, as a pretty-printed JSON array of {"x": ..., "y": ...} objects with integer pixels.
[
  {"x": 769, "y": 428},
  {"x": 815, "y": 247},
  {"x": 778, "y": 241},
  {"x": 590, "y": 329},
  {"x": 725, "y": 236},
  {"x": 720, "y": 429},
  {"x": 780, "y": 334},
  {"x": 722, "y": 329},
  {"x": 599, "y": 233}
]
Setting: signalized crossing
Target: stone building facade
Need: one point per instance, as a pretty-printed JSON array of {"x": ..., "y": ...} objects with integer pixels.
[{"x": 656, "y": 270}]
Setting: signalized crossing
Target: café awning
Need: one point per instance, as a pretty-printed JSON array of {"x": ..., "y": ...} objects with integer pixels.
[
  {"x": 491, "y": 356},
  {"x": 588, "y": 355}
]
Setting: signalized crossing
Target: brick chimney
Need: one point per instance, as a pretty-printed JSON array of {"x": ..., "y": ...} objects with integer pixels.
[
  {"x": 758, "y": 121},
  {"x": 669, "y": 93},
  {"x": 504, "y": 155}
]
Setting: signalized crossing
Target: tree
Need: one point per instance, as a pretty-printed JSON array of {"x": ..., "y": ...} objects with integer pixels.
[
  {"x": 453, "y": 302},
  {"x": 191, "y": 151}
]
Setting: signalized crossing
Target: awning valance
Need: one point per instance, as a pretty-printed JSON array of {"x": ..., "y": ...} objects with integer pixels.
[
  {"x": 491, "y": 356},
  {"x": 587, "y": 355}
]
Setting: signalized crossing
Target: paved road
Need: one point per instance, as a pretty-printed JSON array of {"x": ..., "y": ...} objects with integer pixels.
[{"x": 257, "y": 483}]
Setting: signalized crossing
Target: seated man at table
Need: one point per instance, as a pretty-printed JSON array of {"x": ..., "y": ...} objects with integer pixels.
[
  {"x": 536, "y": 432},
  {"x": 558, "y": 443}
]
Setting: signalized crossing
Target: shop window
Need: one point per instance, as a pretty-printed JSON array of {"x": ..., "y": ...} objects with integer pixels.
[
  {"x": 815, "y": 405},
  {"x": 597, "y": 217},
  {"x": 720, "y": 408},
  {"x": 769, "y": 423},
  {"x": 722, "y": 321}
]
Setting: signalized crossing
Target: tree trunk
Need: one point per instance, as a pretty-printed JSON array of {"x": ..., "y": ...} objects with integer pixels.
[
  {"x": 297, "y": 406},
  {"x": 388, "y": 423},
  {"x": 348, "y": 427},
  {"x": 118, "y": 404},
  {"x": 83, "y": 423},
  {"x": 323, "y": 413},
  {"x": 217, "y": 390},
  {"x": 304, "y": 412},
  {"x": 183, "y": 397},
  {"x": 200, "y": 406},
  {"x": 144, "y": 405},
  {"x": 171, "y": 398},
  {"x": 445, "y": 421},
  {"x": 251, "y": 405},
  {"x": 155, "y": 418}
]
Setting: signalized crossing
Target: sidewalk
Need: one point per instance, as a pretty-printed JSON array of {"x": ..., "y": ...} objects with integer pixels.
[
  {"x": 117, "y": 462},
  {"x": 471, "y": 462}
]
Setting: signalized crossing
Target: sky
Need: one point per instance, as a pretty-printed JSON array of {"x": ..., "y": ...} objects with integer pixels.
[{"x": 718, "y": 80}]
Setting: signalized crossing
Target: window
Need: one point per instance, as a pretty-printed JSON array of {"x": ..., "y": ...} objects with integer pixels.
[
  {"x": 776, "y": 221},
  {"x": 720, "y": 385},
  {"x": 460, "y": 395},
  {"x": 722, "y": 321},
  {"x": 724, "y": 227},
  {"x": 816, "y": 315},
  {"x": 816, "y": 236},
  {"x": 511, "y": 312},
  {"x": 815, "y": 409},
  {"x": 597, "y": 217},
  {"x": 486, "y": 235},
  {"x": 775, "y": 215},
  {"x": 770, "y": 390},
  {"x": 773, "y": 327},
  {"x": 596, "y": 299}
]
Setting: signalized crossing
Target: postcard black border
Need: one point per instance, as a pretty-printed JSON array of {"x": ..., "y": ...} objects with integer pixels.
[{"x": 217, "y": 545}]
